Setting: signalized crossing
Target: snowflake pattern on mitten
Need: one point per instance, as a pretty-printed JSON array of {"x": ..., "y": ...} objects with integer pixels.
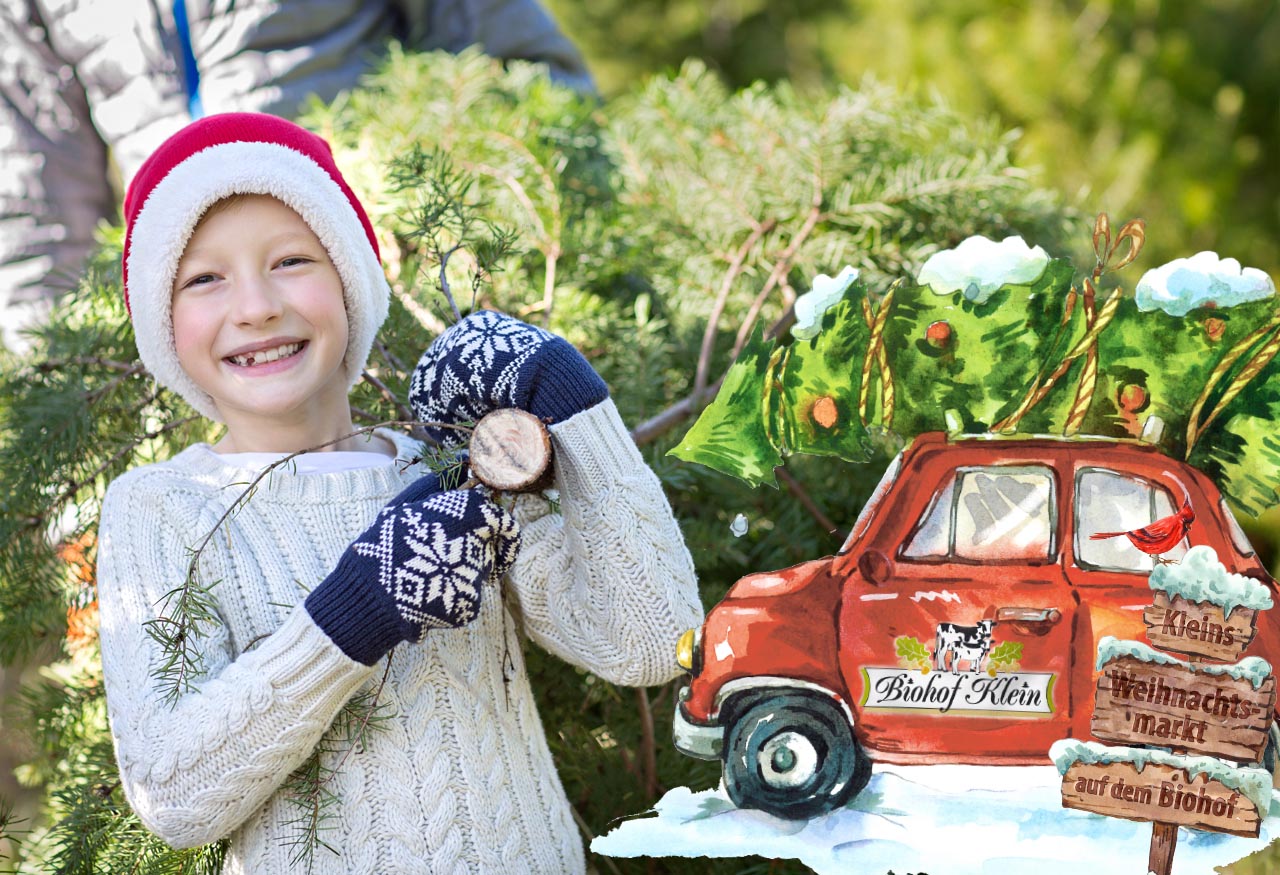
[
  {"x": 435, "y": 555},
  {"x": 471, "y": 370},
  {"x": 489, "y": 361}
]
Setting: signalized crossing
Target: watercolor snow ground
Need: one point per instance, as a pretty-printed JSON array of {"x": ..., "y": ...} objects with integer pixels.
[{"x": 940, "y": 820}]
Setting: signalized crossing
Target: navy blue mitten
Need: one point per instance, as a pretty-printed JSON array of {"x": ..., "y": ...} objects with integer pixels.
[
  {"x": 490, "y": 361},
  {"x": 421, "y": 565}
]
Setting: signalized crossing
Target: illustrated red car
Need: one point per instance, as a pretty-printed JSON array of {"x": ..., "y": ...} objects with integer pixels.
[{"x": 959, "y": 622}]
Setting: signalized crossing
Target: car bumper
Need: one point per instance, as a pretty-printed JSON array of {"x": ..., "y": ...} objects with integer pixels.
[{"x": 696, "y": 739}]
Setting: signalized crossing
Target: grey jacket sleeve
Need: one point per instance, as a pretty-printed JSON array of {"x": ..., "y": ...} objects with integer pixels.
[
  {"x": 507, "y": 29},
  {"x": 53, "y": 186}
]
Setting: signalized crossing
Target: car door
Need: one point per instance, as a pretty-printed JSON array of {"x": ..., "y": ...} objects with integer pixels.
[
  {"x": 1114, "y": 491},
  {"x": 955, "y": 629}
]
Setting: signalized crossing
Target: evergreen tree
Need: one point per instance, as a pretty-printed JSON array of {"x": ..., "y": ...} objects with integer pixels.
[{"x": 655, "y": 232}]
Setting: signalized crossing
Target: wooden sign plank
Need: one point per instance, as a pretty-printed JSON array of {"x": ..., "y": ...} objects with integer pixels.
[
  {"x": 1198, "y": 628},
  {"x": 1141, "y": 702},
  {"x": 1159, "y": 794}
]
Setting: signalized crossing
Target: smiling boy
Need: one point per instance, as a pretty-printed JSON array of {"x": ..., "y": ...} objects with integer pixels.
[
  {"x": 256, "y": 296},
  {"x": 254, "y": 286}
]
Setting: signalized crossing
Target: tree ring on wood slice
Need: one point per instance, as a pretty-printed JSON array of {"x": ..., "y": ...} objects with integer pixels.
[{"x": 511, "y": 451}]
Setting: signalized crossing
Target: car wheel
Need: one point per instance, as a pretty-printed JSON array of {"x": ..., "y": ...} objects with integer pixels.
[{"x": 795, "y": 757}]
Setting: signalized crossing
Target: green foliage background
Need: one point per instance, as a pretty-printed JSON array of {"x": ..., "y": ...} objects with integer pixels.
[
  {"x": 638, "y": 219},
  {"x": 1137, "y": 107}
]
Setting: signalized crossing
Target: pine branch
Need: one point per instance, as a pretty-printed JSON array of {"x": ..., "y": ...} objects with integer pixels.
[
  {"x": 187, "y": 608},
  {"x": 309, "y": 788},
  {"x": 72, "y": 489}
]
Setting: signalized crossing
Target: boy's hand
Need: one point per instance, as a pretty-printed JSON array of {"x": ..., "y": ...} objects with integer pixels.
[
  {"x": 490, "y": 361},
  {"x": 421, "y": 565}
]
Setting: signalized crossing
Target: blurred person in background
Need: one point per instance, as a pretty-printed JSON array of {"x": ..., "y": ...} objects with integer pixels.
[{"x": 85, "y": 82}]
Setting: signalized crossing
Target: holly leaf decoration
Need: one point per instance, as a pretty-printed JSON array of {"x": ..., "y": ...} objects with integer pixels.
[
  {"x": 911, "y": 653},
  {"x": 1006, "y": 655}
]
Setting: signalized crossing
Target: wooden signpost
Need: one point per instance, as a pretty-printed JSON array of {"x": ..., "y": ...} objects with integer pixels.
[{"x": 1194, "y": 730}]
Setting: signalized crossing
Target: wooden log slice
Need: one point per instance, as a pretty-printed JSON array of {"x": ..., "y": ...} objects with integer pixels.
[{"x": 511, "y": 451}]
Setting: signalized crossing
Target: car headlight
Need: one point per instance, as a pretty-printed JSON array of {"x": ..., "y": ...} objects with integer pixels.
[{"x": 689, "y": 650}]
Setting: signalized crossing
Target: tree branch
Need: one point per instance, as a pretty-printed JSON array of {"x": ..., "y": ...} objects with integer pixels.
[
  {"x": 656, "y": 426},
  {"x": 444, "y": 280},
  {"x": 722, "y": 296},
  {"x": 400, "y": 406},
  {"x": 648, "y": 749},
  {"x": 806, "y": 500}
]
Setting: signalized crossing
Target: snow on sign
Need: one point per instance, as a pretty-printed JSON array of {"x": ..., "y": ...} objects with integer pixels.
[
  {"x": 1138, "y": 784},
  {"x": 1202, "y": 610},
  {"x": 1145, "y": 697}
]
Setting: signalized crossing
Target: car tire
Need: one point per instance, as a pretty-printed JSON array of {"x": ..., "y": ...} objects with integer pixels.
[{"x": 794, "y": 757}]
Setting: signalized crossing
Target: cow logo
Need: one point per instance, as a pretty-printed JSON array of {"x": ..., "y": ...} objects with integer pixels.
[
  {"x": 968, "y": 673},
  {"x": 953, "y": 643}
]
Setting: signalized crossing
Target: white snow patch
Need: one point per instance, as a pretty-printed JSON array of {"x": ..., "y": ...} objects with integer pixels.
[
  {"x": 945, "y": 595},
  {"x": 1253, "y": 669},
  {"x": 979, "y": 266},
  {"x": 957, "y": 820},
  {"x": 738, "y": 527},
  {"x": 1186, "y": 283},
  {"x": 1253, "y": 782},
  {"x": 825, "y": 294},
  {"x": 1200, "y": 577}
]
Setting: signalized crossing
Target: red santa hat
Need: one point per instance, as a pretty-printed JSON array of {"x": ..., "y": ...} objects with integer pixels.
[{"x": 231, "y": 154}]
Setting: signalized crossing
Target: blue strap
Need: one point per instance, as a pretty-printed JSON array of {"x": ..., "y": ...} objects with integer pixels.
[{"x": 190, "y": 72}]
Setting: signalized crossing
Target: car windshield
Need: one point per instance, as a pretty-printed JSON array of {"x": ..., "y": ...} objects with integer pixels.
[
  {"x": 1114, "y": 502},
  {"x": 1238, "y": 537},
  {"x": 989, "y": 514},
  {"x": 869, "y": 509}
]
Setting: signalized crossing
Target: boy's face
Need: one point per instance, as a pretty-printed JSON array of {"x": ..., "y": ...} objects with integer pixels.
[{"x": 258, "y": 317}]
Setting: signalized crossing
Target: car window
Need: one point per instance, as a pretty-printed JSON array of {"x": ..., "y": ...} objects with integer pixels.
[
  {"x": 933, "y": 534},
  {"x": 989, "y": 514},
  {"x": 1110, "y": 501},
  {"x": 869, "y": 509},
  {"x": 1238, "y": 537}
]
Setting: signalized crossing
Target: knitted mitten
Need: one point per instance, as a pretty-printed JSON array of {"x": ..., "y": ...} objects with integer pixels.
[
  {"x": 490, "y": 361},
  {"x": 420, "y": 566}
]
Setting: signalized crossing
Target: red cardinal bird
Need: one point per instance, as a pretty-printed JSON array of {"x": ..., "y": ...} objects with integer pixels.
[{"x": 1159, "y": 537}]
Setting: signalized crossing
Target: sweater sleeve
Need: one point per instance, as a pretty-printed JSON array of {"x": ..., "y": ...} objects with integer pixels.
[
  {"x": 195, "y": 769},
  {"x": 607, "y": 584}
]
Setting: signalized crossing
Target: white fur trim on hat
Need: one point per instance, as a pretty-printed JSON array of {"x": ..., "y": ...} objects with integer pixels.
[{"x": 169, "y": 216}]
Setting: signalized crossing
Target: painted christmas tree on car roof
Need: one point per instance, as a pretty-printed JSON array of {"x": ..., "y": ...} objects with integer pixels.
[{"x": 1059, "y": 444}]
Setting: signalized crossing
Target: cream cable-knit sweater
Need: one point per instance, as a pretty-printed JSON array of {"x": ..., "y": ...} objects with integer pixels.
[{"x": 460, "y": 780}]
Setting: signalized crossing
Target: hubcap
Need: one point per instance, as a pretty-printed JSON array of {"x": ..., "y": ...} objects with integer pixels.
[{"x": 787, "y": 760}]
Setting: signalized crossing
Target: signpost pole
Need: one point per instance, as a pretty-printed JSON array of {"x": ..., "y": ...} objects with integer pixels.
[{"x": 1164, "y": 840}]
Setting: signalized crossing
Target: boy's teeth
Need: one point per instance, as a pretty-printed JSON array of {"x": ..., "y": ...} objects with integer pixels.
[{"x": 265, "y": 355}]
